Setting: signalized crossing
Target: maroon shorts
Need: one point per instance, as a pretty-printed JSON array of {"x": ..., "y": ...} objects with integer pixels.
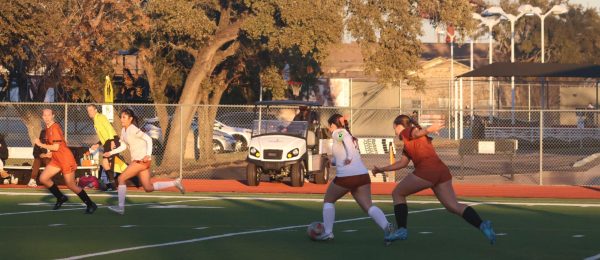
[
  {"x": 352, "y": 182},
  {"x": 141, "y": 162}
]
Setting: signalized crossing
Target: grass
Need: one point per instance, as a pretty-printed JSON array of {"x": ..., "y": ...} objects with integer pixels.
[{"x": 532, "y": 231}]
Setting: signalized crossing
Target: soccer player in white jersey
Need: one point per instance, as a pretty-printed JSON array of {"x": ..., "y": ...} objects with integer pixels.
[
  {"x": 351, "y": 176},
  {"x": 140, "y": 148}
]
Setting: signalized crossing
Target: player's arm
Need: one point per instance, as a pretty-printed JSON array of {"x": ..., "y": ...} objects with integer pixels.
[
  {"x": 117, "y": 150},
  {"x": 148, "y": 141},
  {"x": 348, "y": 145},
  {"x": 403, "y": 162},
  {"x": 435, "y": 128}
]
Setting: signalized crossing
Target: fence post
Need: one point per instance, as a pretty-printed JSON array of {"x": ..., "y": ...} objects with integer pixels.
[
  {"x": 541, "y": 147},
  {"x": 181, "y": 151},
  {"x": 66, "y": 132}
]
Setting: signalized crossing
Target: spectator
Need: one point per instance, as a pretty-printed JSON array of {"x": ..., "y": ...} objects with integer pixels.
[
  {"x": 41, "y": 157},
  {"x": 307, "y": 115},
  {"x": 3, "y": 150},
  {"x": 589, "y": 116},
  {"x": 415, "y": 116}
]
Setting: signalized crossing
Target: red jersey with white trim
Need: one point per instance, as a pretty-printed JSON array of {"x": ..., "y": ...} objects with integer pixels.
[{"x": 63, "y": 157}]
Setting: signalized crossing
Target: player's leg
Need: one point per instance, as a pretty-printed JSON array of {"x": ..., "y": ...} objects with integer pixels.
[
  {"x": 334, "y": 193},
  {"x": 108, "y": 165},
  {"x": 409, "y": 185},
  {"x": 445, "y": 194},
  {"x": 362, "y": 195},
  {"x": 144, "y": 178},
  {"x": 46, "y": 179},
  {"x": 70, "y": 182},
  {"x": 132, "y": 170}
]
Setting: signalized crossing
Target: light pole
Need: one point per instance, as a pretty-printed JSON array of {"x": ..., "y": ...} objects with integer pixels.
[
  {"x": 555, "y": 10},
  {"x": 523, "y": 10},
  {"x": 490, "y": 23}
]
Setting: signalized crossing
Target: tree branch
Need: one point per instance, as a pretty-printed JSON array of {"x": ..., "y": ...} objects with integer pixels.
[
  {"x": 189, "y": 50},
  {"x": 96, "y": 21}
]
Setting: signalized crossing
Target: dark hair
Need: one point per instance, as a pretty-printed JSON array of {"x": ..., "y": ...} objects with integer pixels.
[
  {"x": 130, "y": 113},
  {"x": 92, "y": 105},
  {"x": 335, "y": 120},
  {"x": 406, "y": 121}
]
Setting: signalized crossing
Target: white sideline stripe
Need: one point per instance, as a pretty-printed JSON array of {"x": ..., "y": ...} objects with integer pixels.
[
  {"x": 596, "y": 257},
  {"x": 140, "y": 204},
  {"x": 315, "y": 199},
  {"x": 114, "y": 251}
]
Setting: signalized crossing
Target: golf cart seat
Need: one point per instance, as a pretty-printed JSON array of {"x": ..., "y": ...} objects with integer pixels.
[{"x": 311, "y": 139}]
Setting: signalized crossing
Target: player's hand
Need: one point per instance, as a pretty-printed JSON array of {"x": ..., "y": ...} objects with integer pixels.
[
  {"x": 347, "y": 161},
  {"x": 94, "y": 147},
  {"x": 46, "y": 155},
  {"x": 37, "y": 142},
  {"x": 106, "y": 154},
  {"x": 147, "y": 158},
  {"x": 435, "y": 128},
  {"x": 376, "y": 170}
]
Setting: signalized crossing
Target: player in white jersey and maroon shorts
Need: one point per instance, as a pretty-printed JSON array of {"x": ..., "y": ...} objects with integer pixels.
[
  {"x": 351, "y": 176},
  {"x": 140, "y": 148}
]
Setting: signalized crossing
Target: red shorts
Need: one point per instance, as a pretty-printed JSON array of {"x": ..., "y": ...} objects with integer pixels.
[
  {"x": 145, "y": 164},
  {"x": 352, "y": 182},
  {"x": 65, "y": 168},
  {"x": 435, "y": 172}
]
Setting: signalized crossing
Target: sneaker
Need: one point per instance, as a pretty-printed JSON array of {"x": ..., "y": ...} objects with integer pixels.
[
  {"x": 488, "y": 231},
  {"x": 90, "y": 209},
  {"x": 117, "y": 209},
  {"x": 59, "y": 202},
  {"x": 6, "y": 181},
  {"x": 14, "y": 180},
  {"x": 389, "y": 230},
  {"x": 324, "y": 237},
  {"x": 399, "y": 234},
  {"x": 179, "y": 185},
  {"x": 32, "y": 183}
]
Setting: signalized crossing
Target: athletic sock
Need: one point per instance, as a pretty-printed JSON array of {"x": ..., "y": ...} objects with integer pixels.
[
  {"x": 377, "y": 215},
  {"x": 163, "y": 185},
  {"x": 471, "y": 216},
  {"x": 328, "y": 217},
  {"x": 401, "y": 213},
  {"x": 55, "y": 191},
  {"x": 121, "y": 191},
  {"x": 84, "y": 197},
  {"x": 110, "y": 174}
]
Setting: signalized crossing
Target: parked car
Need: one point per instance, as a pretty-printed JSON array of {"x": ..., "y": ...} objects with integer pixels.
[
  {"x": 244, "y": 120},
  {"x": 242, "y": 135}
]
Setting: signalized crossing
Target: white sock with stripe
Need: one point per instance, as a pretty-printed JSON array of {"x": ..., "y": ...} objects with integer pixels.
[
  {"x": 163, "y": 185},
  {"x": 122, "y": 190}
]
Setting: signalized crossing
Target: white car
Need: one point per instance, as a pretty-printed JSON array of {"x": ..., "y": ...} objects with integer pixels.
[{"x": 241, "y": 135}]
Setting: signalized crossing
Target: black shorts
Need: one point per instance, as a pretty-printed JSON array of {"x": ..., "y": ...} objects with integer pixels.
[
  {"x": 107, "y": 145},
  {"x": 352, "y": 182}
]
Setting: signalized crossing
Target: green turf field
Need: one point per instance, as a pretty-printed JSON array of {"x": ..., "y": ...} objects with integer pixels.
[{"x": 229, "y": 226}]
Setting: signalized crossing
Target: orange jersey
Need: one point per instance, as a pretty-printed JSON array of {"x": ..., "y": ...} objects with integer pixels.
[
  {"x": 427, "y": 163},
  {"x": 62, "y": 158}
]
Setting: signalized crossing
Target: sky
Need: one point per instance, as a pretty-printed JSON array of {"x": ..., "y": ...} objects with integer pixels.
[{"x": 429, "y": 33}]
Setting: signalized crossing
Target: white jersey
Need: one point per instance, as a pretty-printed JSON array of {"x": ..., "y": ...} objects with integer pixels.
[
  {"x": 343, "y": 148},
  {"x": 140, "y": 144}
]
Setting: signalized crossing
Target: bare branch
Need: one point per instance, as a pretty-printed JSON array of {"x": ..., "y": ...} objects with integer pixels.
[{"x": 189, "y": 50}]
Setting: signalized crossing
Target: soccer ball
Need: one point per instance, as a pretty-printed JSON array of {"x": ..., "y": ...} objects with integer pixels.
[{"x": 315, "y": 229}]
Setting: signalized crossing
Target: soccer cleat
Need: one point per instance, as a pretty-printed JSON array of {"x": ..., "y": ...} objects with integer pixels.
[
  {"x": 117, "y": 209},
  {"x": 32, "y": 183},
  {"x": 324, "y": 237},
  {"x": 488, "y": 231},
  {"x": 179, "y": 185},
  {"x": 60, "y": 201},
  {"x": 91, "y": 208},
  {"x": 387, "y": 232},
  {"x": 399, "y": 234}
]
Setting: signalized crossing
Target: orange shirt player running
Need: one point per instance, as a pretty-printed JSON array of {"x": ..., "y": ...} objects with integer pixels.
[{"x": 62, "y": 158}]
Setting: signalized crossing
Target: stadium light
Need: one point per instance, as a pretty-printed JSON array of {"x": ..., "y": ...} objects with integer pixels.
[{"x": 490, "y": 22}]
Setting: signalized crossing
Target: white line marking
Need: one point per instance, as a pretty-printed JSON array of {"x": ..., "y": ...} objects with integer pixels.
[
  {"x": 578, "y": 236},
  {"x": 502, "y": 234},
  {"x": 349, "y": 230},
  {"x": 52, "y": 204},
  {"x": 314, "y": 200},
  {"x": 425, "y": 232},
  {"x": 56, "y": 225},
  {"x": 221, "y": 236},
  {"x": 596, "y": 257},
  {"x": 200, "y": 228},
  {"x": 128, "y": 226},
  {"x": 181, "y": 207},
  {"x": 128, "y": 205}
]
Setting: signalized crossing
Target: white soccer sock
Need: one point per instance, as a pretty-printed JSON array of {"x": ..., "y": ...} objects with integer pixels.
[
  {"x": 163, "y": 185},
  {"x": 377, "y": 215},
  {"x": 122, "y": 190},
  {"x": 328, "y": 216}
]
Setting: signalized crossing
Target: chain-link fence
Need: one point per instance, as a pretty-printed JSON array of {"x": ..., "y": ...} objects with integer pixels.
[{"x": 503, "y": 146}]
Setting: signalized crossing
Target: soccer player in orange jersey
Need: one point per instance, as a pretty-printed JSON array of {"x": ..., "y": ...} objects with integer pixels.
[{"x": 62, "y": 161}]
